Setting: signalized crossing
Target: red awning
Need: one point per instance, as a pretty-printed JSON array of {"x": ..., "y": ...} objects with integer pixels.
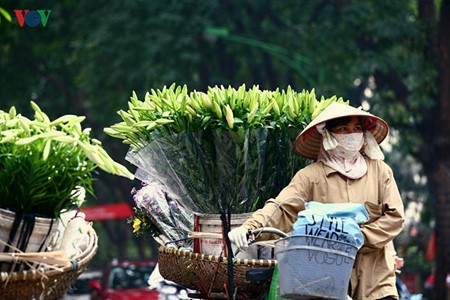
[{"x": 108, "y": 212}]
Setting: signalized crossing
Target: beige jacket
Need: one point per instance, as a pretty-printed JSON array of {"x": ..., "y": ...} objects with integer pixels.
[{"x": 373, "y": 275}]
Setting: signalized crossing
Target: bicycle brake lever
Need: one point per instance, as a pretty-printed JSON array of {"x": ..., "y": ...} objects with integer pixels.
[{"x": 250, "y": 237}]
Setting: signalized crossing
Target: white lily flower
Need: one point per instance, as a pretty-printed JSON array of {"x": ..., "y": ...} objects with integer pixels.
[{"x": 79, "y": 194}]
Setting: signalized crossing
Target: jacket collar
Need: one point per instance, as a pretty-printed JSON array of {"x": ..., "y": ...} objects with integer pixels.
[{"x": 328, "y": 170}]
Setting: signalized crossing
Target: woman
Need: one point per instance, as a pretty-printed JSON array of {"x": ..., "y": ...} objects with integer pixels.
[{"x": 349, "y": 168}]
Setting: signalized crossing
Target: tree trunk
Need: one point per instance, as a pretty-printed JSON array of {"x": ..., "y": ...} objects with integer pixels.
[{"x": 441, "y": 176}]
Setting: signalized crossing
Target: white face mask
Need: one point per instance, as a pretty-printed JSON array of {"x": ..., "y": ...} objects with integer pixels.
[
  {"x": 342, "y": 152},
  {"x": 349, "y": 144}
]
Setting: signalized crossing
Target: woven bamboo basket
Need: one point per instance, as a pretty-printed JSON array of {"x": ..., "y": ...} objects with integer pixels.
[
  {"x": 209, "y": 274},
  {"x": 44, "y": 282}
]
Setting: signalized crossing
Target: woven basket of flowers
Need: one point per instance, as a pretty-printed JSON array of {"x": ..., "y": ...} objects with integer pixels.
[
  {"x": 50, "y": 274},
  {"x": 46, "y": 169}
]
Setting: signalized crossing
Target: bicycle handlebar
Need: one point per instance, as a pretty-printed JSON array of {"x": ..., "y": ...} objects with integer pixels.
[{"x": 261, "y": 230}]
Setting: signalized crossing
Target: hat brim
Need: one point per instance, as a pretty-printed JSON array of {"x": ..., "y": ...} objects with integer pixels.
[{"x": 308, "y": 142}]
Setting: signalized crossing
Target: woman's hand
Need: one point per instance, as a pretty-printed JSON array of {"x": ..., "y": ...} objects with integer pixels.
[
  {"x": 399, "y": 263},
  {"x": 239, "y": 236}
]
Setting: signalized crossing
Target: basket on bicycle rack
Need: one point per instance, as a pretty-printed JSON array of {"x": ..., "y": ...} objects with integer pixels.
[
  {"x": 325, "y": 271},
  {"x": 208, "y": 273}
]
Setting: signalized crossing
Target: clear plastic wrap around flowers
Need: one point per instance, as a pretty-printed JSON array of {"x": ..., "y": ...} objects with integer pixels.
[
  {"x": 215, "y": 170},
  {"x": 162, "y": 208}
]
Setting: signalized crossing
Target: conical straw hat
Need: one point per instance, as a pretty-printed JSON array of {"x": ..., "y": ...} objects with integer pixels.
[{"x": 307, "y": 143}]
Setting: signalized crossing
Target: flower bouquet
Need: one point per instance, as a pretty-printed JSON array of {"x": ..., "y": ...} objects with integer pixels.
[
  {"x": 224, "y": 150},
  {"x": 45, "y": 168},
  {"x": 159, "y": 214},
  {"x": 43, "y": 162}
]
